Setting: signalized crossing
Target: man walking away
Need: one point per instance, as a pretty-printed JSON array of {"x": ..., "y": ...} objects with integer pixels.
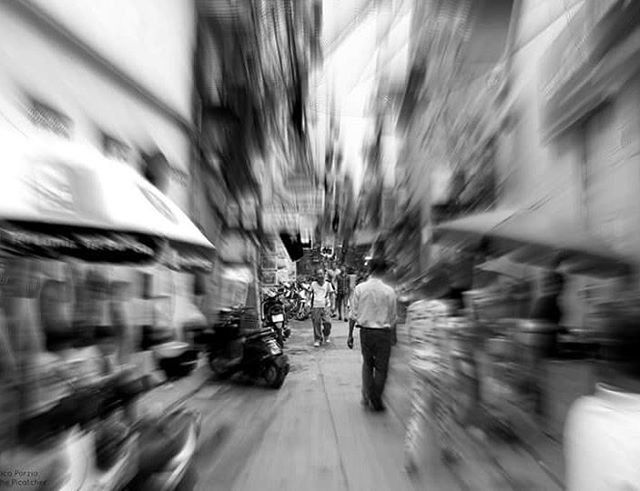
[
  {"x": 374, "y": 313},
  {"x": 321, "y": 293}
]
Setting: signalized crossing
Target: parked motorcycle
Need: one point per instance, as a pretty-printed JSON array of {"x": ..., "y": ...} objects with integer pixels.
[
  {"x": 289, "y": 295},
  {"x": 303, "y": 310},
  {"x": 98, "y": 448},
  {"x": 255, "y": 354},
  {"x": 274, "y": 316}
]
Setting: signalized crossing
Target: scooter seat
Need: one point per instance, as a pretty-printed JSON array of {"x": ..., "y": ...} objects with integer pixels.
[
  {"x": 162, "y": 438},
  {"x": 261, "y": 333}
]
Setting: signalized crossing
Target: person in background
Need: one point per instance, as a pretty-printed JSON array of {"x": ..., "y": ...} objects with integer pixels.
[
  {"x": 20, "y": 304},
  {"x": 332, "y": 277},
  {"x": 352, "y": 280},
  {"x": 374, "y": 313},
  {"x": 342, "y": 294},
  {"x": 602, "y": 431},
  {"x": 56, "y": 315},
  {"x": 321, "y": 297},
  {"x": 121, "y": 320},
  {"x": 546, "y": 307}
]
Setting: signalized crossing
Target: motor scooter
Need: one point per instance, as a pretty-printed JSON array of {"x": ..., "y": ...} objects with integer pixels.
[
  {"x": 303, "y": 307},
  {"x": 274, "y": 317},
  {"x": 255, "y": 354},
  {"x": 96, "y": 447},
  {"x": 108, "y": 451},
  {"x": 85, "y": 421}
]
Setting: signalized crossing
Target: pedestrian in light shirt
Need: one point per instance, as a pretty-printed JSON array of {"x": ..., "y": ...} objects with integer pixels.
[
  {"x": 602, "y": 431},
  {"x": 321, "y": 300},
  {"x": 374, "y": 313}
]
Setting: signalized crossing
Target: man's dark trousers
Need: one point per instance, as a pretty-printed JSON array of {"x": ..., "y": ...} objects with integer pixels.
[
  {"x": 340, "y": 304},
  {"x": 376, "y": 350},
  {"x": 321, "y": 325}
]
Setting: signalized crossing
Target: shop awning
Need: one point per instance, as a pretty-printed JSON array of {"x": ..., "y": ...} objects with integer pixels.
[
  {"x": 62, "y": 199},
  {"x": 539, "y": 237},
  {"x": 471, "y": 228}
]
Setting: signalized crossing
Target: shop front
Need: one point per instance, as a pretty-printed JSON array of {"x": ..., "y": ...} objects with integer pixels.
[
  {"x": 69, "y": 244},
  {"x": 516, "y": 365}
]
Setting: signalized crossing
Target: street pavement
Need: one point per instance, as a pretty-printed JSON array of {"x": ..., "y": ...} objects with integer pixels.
[{"x": 312, "y": 434}]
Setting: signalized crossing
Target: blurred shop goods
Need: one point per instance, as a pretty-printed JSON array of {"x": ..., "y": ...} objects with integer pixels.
[
  {"x": 236, "y": 280},
  {"x": 69, "y": 323},
  {"x": 506, "y": 359},
  {"x": 442, "y": 396}
]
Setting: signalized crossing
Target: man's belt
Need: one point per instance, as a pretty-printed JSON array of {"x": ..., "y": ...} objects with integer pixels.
[{"x": 373, "y": 328}]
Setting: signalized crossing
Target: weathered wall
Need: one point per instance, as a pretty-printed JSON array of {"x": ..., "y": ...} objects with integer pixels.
[
  {"x": 535, "y": 169},
  {"x": 590, "y": 173}
]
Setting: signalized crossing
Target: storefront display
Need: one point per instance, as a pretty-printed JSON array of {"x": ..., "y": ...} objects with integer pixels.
[{"x": 438, "y": 403}]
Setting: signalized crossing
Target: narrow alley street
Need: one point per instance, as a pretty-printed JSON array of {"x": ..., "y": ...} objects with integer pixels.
[{"x": 313, "y": 433}]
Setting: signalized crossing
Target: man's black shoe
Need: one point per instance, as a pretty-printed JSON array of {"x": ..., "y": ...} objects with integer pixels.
[{"x": 378, "y": 406}]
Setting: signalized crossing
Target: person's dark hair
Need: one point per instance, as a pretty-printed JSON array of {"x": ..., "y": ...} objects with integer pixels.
[
  {"x": 621, "y": 341},
  {"x": 555, "y": 280},
  {"x": 378, "y": 266},
  {"x": 54, "y": 314}
]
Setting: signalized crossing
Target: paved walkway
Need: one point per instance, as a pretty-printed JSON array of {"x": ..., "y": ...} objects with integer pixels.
[
  {"x": 310, "y": 435},
  {"x": 313, "y": 434}
]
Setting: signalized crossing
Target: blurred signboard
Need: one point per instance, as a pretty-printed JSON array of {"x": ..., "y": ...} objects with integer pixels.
[
  {"x": 269, "y": 262},
  {"x": 269, "y": 276},
  {"x": 214, "y": 187},
  {"x": 233, "y": 248},
  {"x": 116, "y": 149},
  {"x": 275, "y": 221},
  {"x": 47, "y": 118},
  {"x": 233, "y": 214},
  {"x": 249, "y": 213},
  {"x": 308, "y": 198},
  {"x": 282, "y": 275}
]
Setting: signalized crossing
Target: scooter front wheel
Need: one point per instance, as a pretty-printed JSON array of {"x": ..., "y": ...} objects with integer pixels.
[
  {"x": 274, "y": 375},
  {"x": 218, "y": 367},
  {"x": 303, "y": 314}
]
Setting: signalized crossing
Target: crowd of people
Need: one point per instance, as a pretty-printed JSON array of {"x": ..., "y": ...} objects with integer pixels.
[
  {"x": 331, "y": 294},
  {"x": 370, "y": 305}
]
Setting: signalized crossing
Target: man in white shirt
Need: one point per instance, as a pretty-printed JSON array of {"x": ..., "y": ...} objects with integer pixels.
[
  {"x": 602, "y": 432},
  {"x": 374, "y": 313},
  {"x": 321, "y": 299}
]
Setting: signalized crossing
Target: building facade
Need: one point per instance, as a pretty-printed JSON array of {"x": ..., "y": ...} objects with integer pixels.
[{"x": 573, "y": 147}]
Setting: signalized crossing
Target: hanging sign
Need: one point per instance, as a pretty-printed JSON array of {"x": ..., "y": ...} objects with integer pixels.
[
  {"x": 50, "y": 241},
  {"x": 181, "y": 257},
  {"x": 115, "y": 149},
  {"x": 47, "y": 118}
]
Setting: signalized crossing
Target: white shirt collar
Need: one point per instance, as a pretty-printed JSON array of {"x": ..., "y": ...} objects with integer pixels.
[{"x": 615, "y": 396}]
